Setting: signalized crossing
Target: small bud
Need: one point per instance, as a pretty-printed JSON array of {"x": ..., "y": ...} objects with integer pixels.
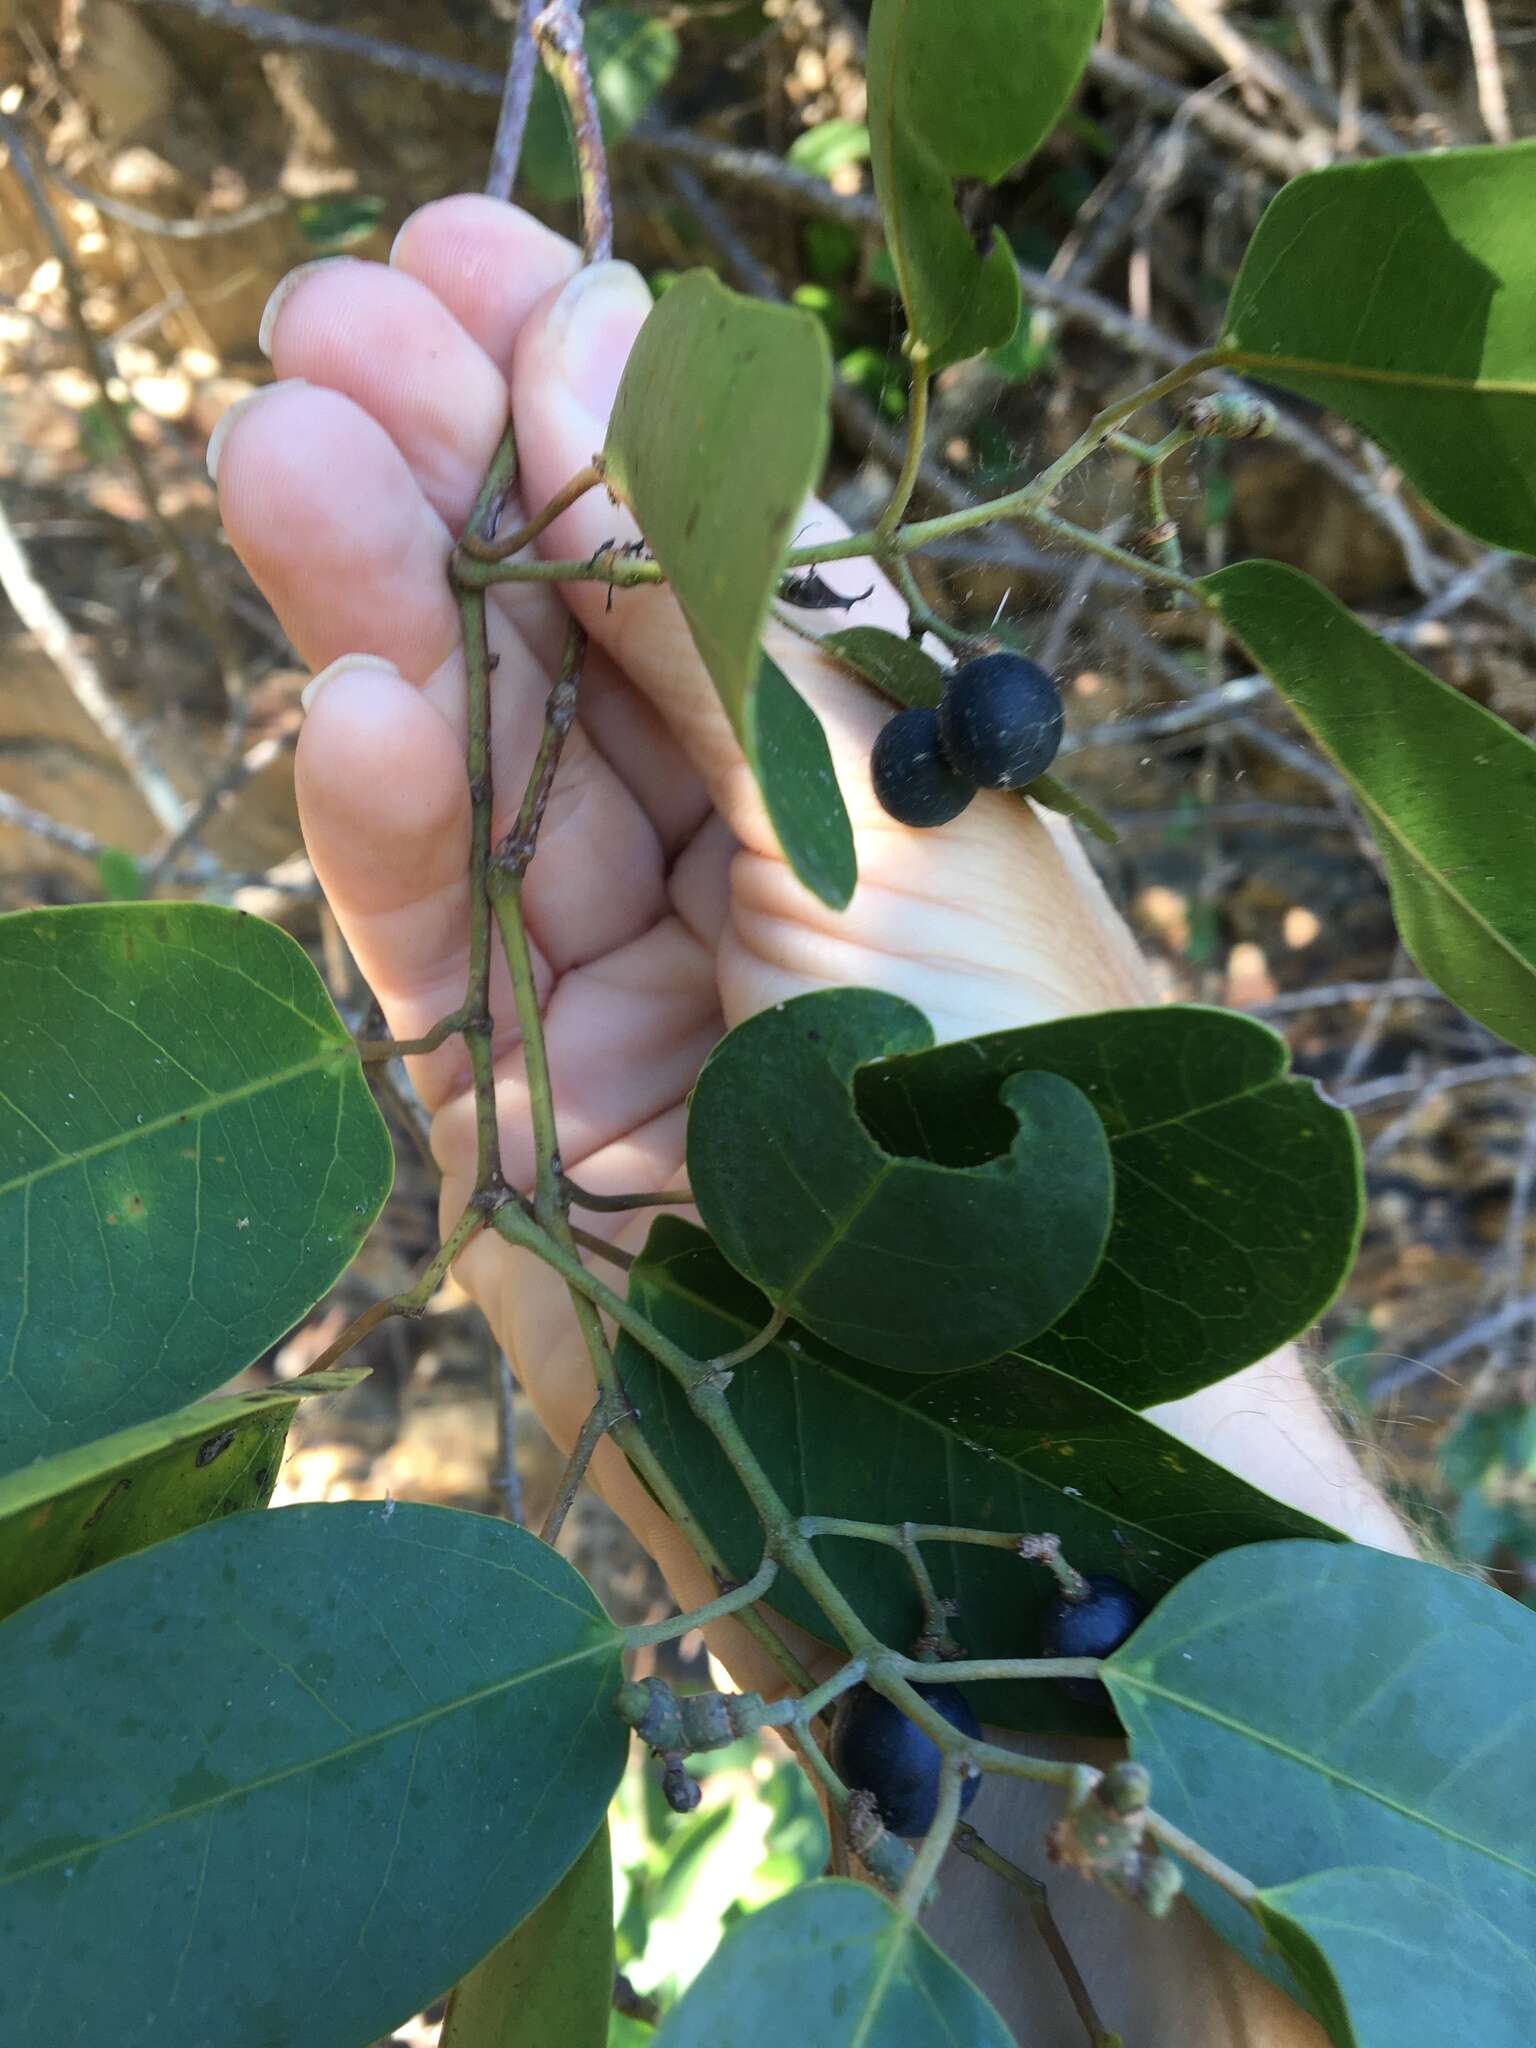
[
  {"x": 885, "y": 1856},
  {"x": 1126, "y": 1788},
  {"x": 1159, "y": 1884},
  {"x": 1230, "y": 416},
  {"x": 681, "y": 1792},
  {"x": 652, "y": 1711},
  {"x": 706, "y": 1721}
]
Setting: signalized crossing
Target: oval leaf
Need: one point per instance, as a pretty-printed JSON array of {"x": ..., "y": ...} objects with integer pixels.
[
  {"x": 834, "y": 1964},
  {"x": 67, "y": 1514},
  {"x": 189, "y": 1157},
  {"x": 896, "y": 1259},
  {"x": 550, "y": 1983},
  {"x": 1012, "y": 1446},
  {"x": 331, "y": 1754},
  {"x": 1305, "y": 1706},
  {"x": 962, "y": 100},
  {"x": 1345, "y": 1934},
  {"x": 898, "y": 668},
  {"x": 1402, "y": 294},
  {"x": 1237, "y": 1188},
  {"x": 788, "y": 753},
  {"x": 1446, "y": 785},
  {"x": 719, "y": 432}
]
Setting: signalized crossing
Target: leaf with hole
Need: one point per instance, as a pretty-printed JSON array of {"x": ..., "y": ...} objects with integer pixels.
[
  {"x": 189, "y": 1157},
  {"x": 959, "y": 104},
  {"x": 834, "y": 1964},
  {"x": 1402, "y": 294},
  {"x": 631, "y": 56},
  {"x": 1304, "y": 1706},
  {"x": 718, "y": 434},
  {"x": 82, "y": 1508},
  {"x": 1011, "y": 1447},
  {"x": 1237, "y": 1186},
  {"x": 329, "y": 1755},
  {"x": 891, "y": 1256},
  {"x": 549, "y": 1984},
  {"x": 1346, "y": 1935},
  {"x": 1447, "y": 786}
]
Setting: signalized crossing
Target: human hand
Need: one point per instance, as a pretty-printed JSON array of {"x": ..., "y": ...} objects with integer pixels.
[{"x": 660, "y": 909}]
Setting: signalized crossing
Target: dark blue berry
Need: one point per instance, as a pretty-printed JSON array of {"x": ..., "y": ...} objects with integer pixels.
[
  {"x": 876, "y": 1749},
  {"x": 1001, "y": 721},
  {"x": 1090, "y": 1628},
  {"x": 912, "y": 779}
]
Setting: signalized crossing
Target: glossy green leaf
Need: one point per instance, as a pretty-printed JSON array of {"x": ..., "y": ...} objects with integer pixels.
[
  {"x": 718, "y": 433},
  {"x": 189, "y": 1156},
  {"x": 67, "y": 1514},
  {"x": 119, "y": 876},
  {"x": 835, "y": 1965},
  {"x": 891, "y": 1256},
  {"x": 788, "y": 753},
  {"x": 1012, "y": 1446},
  {"x": 1303, "y": 1707},
  {"x": 1447, "y": 786},
  {"x": 631, "y": 56},
  {"x": 549, "y": 1984},
  {"x": 1360, "y": 1944},
  {"x": 1237, "y": 1187},
  {"x": 1402, "y": 294},
  {"x": 897, "y": 667},
  {"x": 1058, "y": 796},
  {"x": 961, "y": 99},
  {"x": 287, "y": 1777}
]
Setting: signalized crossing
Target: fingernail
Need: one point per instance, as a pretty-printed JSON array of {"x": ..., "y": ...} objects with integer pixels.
[
  {"x": 405, "y": 226},
  {"x": 342, "y": 665},
  {"x": 592, "y": 327},
  {"x": 225, "y": 422},
  {"x": 284, "y": 290}
]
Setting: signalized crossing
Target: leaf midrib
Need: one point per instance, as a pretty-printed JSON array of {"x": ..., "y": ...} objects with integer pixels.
[
  {"x": 606, "y": 1648},
  {"x": 1259, "y": 360},
  {"x": 192, "y": 1114},
  {"x": 1319, "y": 1766}
]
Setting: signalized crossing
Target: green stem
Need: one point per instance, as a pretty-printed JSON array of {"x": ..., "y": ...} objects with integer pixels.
[
  {"x": 1185, "y": 1846},
  {"x": 891, "y": 1536},
  {"x": 987, "y": 1670},
  {"x": 477, "y": 1002},
  {"x": 925, "y": 1867},
  {"x": 740, "y": 1596},
  {"x": 912, "y": 461},
  {"x": 1037, "y": 1899},
  {"x": 603, "y": 1414},
  {"x": 475, "y": 549},
  {"x": 410, "y": 1301},
  {"x": 935, "y": 1615}
]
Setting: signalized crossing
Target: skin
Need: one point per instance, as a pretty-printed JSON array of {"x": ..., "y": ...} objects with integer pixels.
[{"x": 660, "y": 910}]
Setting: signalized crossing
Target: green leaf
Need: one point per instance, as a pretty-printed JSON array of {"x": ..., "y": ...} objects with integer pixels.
[
  {"x": 788, "y": 753},
  {"x": 898, "y": 668},
  {"x": 718, "y": 433},
  {"x": 1056, "y": 796},
  {"x": 189, "y": 1156},
  {"x": 119, "y": 876},
  {"x": 79, "y": 1509},
  {"x": 1305, "y": 1706},
  {"x": 1237, "y": 1188},
  {"x": 549, "y": 1984},
  {"x": 1355, "y": 1940},
  {"x": 1013, "y": 1446},
  {"x": 1402, "y": 294},
  {"x": 965, "y": 101},
  {"x": 631, "y": 57},
  {"x": 290, "y": 1775},
  {"x": 829, "y": 146},
  {"x": 895, "y": 1258},
  {"x": 1446, "y": 785},
  {"x": 834, "y": 1964},
  {"x": 338, "y": 220}
]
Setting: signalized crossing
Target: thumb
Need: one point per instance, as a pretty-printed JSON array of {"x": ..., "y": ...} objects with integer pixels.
[{"x": 566, "y": 370}]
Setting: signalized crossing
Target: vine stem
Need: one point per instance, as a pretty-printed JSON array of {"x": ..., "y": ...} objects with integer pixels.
[
  {"x": 601, "y": 1417},
  {"x": 516, "y": 98},
  {"x": 925, "y": 1865},
  {"x": 557, "y": 29},
  {"x": 700, "y": 1617},
  {"x": 1038, "y": 1901},
  {"x": 410, "y": 1301},
  {"x": 568, "y": 494},
  {"x": 912, "y": 461},
  {"x": 650, "y": 1198}
]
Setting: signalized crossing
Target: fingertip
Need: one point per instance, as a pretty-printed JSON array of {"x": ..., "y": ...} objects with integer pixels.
[{"x": 489, "y": 262}]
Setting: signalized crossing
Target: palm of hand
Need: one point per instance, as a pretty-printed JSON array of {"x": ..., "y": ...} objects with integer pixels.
[{"x": 660, "y": 909}]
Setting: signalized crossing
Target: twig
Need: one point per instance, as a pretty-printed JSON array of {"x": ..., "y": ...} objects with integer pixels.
[
  {"x": 516, "y": 98},
  {"x": 1491, "y": 101},
  {"x": 1423, "y": 1088},
  {"x": 205, "y": 613},
  {"x": 557, "y": 29},
  {"x": 925, "y": 1865},
  {"x": 1037, "y": 1899},
  {"x": 660, "y": 1198},
  {"x": 605, "y": 1411},
  {"x": 668, "y": 1631},
  {"x": 146, "y": 223},
  {"x": 1489, "y": 1329},
  {"x": 510, "y": 543},
  {"x": 506, "y": 1482},
  {"x": 410, "y": 1301},
  {"x": 42, "y": 618},
  {"x": 1333, "y": 993}
]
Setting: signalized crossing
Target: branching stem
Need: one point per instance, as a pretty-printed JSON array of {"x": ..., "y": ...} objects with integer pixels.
[
  {"x": 410, "y": 1301},
  {"x": 700, "y": 1617},
  {"x": 1037, "y": 1899}
]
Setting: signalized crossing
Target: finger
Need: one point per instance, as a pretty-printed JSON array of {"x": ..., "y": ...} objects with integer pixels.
[
  {"x": 322, "y": 508},
  {"x": 488, "y": 263}
]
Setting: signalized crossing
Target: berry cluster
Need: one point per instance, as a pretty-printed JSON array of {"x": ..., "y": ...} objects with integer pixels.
[{"x": 998, "y": 727}]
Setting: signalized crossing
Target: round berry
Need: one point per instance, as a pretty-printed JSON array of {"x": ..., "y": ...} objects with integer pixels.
[
  {"x": 1090, "y": 1628},
  {"x": 876, "y": 1749},
  {"x": 1001, "y": 721},
  {"x": 912, "y": 779}
]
